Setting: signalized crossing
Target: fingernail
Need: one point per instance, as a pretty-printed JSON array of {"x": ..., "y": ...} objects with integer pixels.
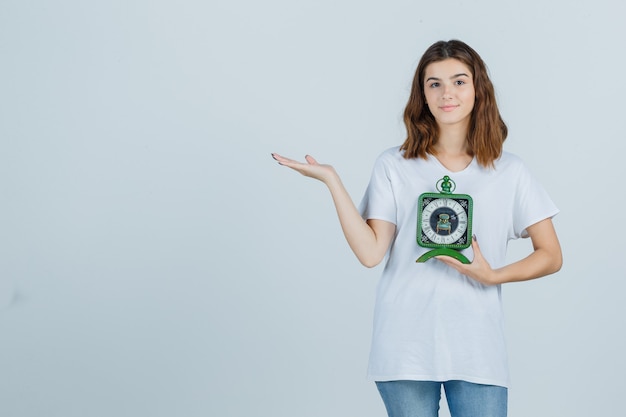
[{"x": 475, "y": 238}]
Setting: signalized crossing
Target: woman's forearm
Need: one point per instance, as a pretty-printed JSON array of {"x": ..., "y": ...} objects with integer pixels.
[
  {"x": 538, "y": 264},
  {"x": 368, "y": 240}
]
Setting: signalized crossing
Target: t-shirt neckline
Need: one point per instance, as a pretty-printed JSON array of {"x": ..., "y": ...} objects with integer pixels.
[{"x": 468, "y": 168}]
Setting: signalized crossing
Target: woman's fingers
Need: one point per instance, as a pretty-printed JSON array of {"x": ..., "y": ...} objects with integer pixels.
[
  {"x": 310, "y": 168},
  {"x": 286, "y": 161},
  {"x": 311, "y": 160},
  {"x": 282, "y": 160},
  {"x": 476, "y": 248},
  {"x": 291, "y": 163}
]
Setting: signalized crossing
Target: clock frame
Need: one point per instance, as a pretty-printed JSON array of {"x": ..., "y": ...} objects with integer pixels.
[{"x": 444, "y": 222}]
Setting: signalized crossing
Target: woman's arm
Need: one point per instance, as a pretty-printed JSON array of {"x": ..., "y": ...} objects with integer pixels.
[
  {"x": 368, "y": 240},
  {"x": 545, "y": 259}
]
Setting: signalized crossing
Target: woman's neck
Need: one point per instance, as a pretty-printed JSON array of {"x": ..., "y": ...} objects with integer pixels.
[
  {"x": 451, "y": 149},
  {"x": 452, "y": 141}
]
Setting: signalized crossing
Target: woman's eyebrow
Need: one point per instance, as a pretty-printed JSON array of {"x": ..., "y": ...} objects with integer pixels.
[{"x": 453, "y": 77}]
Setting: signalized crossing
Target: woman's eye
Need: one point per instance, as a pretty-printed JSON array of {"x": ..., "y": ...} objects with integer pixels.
[
  {"x": 434, "y": 85},
  {"x": 460, "y": 82}
]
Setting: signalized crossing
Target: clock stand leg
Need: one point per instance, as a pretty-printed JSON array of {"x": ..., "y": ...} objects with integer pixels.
[{"x": 444, "y": 252}]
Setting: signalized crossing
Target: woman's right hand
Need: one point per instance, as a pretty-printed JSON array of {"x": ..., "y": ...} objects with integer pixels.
[{"x": 311, "y": 168}]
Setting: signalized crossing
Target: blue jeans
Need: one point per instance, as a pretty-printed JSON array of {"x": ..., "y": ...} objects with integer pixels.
[{"x": 421, "y": 398}]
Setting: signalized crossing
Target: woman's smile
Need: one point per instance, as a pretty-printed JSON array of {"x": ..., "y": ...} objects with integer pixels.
[{"x": 448, "y": 107}]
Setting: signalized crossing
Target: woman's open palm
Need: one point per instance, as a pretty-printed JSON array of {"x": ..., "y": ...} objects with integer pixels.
[{"x": 310, "y": 168}]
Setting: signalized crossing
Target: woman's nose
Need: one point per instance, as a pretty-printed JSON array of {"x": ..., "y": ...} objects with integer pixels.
[{"x": 447, "y": 91}]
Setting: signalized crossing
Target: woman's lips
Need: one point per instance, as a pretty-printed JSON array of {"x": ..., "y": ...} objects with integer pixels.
[{"x": 448, "y": 108}]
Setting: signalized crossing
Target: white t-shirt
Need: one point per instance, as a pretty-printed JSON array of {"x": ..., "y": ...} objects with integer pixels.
[{"x": 431, "y": 322}]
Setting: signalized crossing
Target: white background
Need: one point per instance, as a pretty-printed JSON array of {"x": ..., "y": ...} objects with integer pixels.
[{"x": 155, "y": 261}]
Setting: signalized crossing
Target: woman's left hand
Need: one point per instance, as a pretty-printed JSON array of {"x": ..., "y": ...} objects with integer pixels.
[
  {"x": 479, "y": 269},
  {"x": 545, "y": 259}
]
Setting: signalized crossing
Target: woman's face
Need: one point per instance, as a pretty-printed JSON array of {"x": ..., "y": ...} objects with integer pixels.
[{"x": 449, "y": 92}]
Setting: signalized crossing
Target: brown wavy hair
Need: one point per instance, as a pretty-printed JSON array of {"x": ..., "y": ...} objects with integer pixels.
[{"x": 487, "y": 131}]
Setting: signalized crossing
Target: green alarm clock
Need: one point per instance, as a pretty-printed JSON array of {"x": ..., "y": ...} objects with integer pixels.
[{"x": 444, "y": 222}]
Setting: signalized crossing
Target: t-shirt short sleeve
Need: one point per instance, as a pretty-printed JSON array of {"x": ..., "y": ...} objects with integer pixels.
[
  {"x": 532, "y": 203},
  {"x": 379, "y": 202}
]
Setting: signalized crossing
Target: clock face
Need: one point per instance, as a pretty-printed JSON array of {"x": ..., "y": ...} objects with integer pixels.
[{"x": 444, "y": 220}]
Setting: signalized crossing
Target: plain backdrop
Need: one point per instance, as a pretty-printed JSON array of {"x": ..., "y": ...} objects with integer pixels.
[{"x": 155, "y": 261}]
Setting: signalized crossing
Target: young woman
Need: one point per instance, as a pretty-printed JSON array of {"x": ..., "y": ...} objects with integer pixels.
[{"x": 440, "y": 323}]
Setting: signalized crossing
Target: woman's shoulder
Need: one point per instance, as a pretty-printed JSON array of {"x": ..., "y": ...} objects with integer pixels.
[
  {"x": 509, "y": 160},
  {"x": 390, "y": 156},
  {"x": 391, "y": 153}
]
